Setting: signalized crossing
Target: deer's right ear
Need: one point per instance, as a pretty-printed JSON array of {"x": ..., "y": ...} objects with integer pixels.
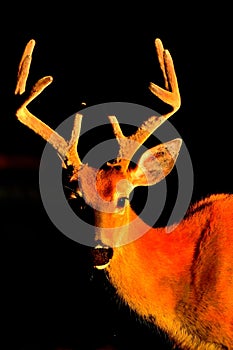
[{"x": 156, "y": 163}]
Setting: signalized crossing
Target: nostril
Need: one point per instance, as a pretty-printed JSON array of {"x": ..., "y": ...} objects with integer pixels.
[
  {"x": 99, "y": 245},
  {"x": 108, "y": 251}
]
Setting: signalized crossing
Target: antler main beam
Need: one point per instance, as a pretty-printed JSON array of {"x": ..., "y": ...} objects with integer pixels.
[
  {"x": 170, "y": 95},
  {"x": 67, "y": 150},
  {"x": 127, "y": 145}
]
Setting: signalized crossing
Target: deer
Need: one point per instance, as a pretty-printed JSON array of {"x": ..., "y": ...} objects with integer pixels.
[{"x": 180, "y": 279}]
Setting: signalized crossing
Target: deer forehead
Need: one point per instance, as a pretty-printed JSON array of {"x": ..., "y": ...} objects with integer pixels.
[
  {"x": 113, "y": 183},
  {"x": 104, "y": 185}
]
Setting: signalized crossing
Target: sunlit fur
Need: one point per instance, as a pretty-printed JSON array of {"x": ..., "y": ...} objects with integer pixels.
[{"x": 183, "y": 279}]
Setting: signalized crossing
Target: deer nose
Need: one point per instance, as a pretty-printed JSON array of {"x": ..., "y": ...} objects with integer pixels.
[{"x": 101, "y": 256}]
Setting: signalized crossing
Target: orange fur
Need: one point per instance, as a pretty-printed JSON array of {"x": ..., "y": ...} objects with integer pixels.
[{"x": 184, "y": 279}]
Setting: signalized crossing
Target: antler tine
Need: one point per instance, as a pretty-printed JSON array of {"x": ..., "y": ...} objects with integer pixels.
[
  {"x": 67, "y": 150},
  {"x": 71, "y": 153},
  {"x": 170, "y": 95},
  {"x": 24, "y": 67}
]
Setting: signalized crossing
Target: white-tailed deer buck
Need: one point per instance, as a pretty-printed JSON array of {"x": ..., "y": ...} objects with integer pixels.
[{"x": 182, "y": 280}]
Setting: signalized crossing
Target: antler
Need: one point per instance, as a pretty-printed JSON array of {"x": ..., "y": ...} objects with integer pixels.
[
  {"x": 67, "y": 150},
  {"x": 130, "y": 144}
]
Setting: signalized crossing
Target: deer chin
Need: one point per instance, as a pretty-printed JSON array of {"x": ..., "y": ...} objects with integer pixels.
[
  {"x": 101, "y": 256},
  {"x": 101, "y": 267}
]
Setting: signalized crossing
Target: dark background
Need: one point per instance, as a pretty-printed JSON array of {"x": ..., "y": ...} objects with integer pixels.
[{"x": 50, "y": 296}]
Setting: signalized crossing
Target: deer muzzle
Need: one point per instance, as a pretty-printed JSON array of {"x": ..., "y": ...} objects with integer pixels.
[{"x": 101, "y": 256}]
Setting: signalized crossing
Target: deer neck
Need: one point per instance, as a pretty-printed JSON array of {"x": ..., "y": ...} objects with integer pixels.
[{"x": 152, "y": 272}]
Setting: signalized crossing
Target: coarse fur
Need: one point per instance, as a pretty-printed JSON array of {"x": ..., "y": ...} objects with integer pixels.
[{"x": 183, "y": 279}]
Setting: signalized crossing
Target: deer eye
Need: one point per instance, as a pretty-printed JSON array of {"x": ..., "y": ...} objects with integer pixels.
[{"x": 122, "y": 202}]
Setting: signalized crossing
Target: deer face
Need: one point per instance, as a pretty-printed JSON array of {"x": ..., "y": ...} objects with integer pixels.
[{"x": 106, "y": 191}]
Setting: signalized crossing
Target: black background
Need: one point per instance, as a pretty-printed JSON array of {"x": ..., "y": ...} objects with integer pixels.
[{"x": 50, "y": 295}]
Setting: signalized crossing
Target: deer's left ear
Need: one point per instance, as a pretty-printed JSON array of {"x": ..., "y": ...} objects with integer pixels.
[{"x": 156, "y": 163}]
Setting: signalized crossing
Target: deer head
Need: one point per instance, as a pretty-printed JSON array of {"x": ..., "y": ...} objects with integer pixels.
[{"x": 107, "y": 190}]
